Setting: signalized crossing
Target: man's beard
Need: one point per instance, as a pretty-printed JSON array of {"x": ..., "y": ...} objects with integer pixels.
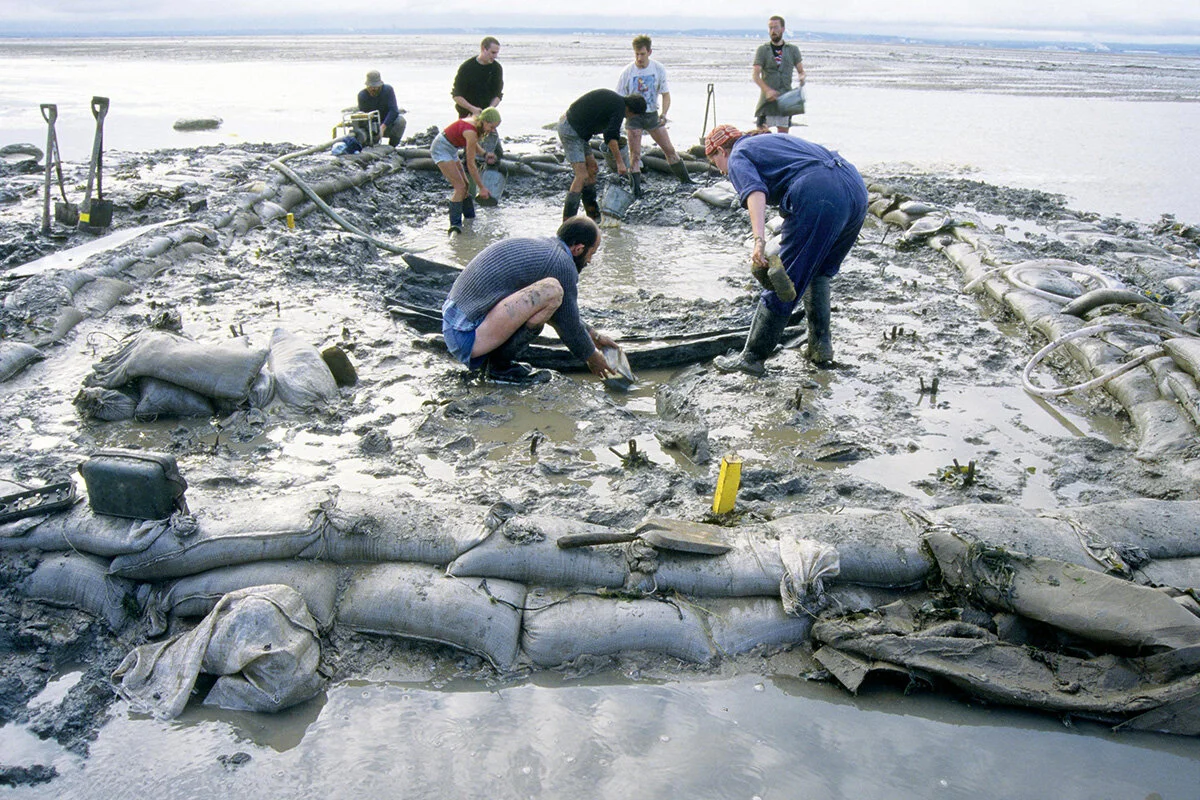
[
  {"x": 775, "y": 40},
  {"x": 580, "y": 261}
]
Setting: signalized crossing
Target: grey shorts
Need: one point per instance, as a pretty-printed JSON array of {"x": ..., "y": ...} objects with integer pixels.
[
  {"x": 576, "y": 149},
  {"x": 442, "y": 150},
  {"x": 643, "y": 122},
  {"x": 777, "y": 122}
]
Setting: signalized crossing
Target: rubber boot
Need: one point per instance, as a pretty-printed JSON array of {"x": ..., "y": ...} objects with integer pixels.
[
  {"x": 570, "y": 205},
  {"x": 816, "y": 311},
  {"x": 502, "y": 365},
  {"x": 456, "y": 216},
  {"x": 765, "y": 332},
  {"x": 468, "y": 206},
  {"x": 635, "y": 179},
  {"x": 680, "y": 170},
  {"x": 590, "y": 206}
]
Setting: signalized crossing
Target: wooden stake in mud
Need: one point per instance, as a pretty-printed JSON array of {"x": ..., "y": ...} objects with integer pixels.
[{"x": 728, "y": 482}]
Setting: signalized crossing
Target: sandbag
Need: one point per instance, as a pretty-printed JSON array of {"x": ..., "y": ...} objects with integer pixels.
[
  {"x": 389, "y": 525},
  {"x": 739, "y": 625},
  {"x": 415, "y": 601},
  {"x": 235, "y": 533},
  {"x": 559, "y": 630},
  {"x": 159, "y": 398},
  {"x": 16, "y": 356},
  {"x": 752, "y": 567},
  {"x": 302, "y": 378},
  {"x": 76, "y": 580},
  {"x": 106, "y": 405},
  {"x": 223, "y": 371},
  {"x": 1180, "y": 573},
  {"x": 1162, "y": 528},
  {"x": 525, "y": 549},
  {"x": 78, "y": 528},
  {"x": 875, "y": 548},
  {"x": 1092, "y": 605},
  {"x": 1019, "y": 531},
  {"x": 261, "y": 641},
  {"x": 197, "y": 595}
]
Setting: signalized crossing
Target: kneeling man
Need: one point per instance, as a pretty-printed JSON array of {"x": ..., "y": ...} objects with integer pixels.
[{"x": 508, "y": 292}]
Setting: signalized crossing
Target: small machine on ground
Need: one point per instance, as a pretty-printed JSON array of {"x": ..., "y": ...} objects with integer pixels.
[{"x": 362, "y": 125}]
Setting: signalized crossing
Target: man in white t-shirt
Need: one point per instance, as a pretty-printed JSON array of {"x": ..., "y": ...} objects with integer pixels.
[{"x": 647, "y": 77}]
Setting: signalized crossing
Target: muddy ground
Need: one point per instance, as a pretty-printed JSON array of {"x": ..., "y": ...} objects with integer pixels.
[{"x": 866, "y": 433}]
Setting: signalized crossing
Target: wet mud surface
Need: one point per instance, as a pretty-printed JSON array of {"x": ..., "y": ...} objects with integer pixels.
[{"x": 872, "y": 432}]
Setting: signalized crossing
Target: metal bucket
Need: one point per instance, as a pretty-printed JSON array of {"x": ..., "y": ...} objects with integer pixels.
[
  {"x": 616, "y": 201},
  {"x": 493, "y": 181},
  {"x": 791, "y": 102}
]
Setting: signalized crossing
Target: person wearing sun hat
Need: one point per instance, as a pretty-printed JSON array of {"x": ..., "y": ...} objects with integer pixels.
[
  {"x": 378, "y": 96},
  {"x": 823, "y": 201}
]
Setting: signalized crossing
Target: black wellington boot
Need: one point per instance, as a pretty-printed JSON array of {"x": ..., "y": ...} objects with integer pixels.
[
  {"x": 765, "y": 332},
  {"x": 590, "y": 206},
  {"x": 570, "y": 205},
  {"x": 816, "y": 311},
  {"x": 468, "y": 207},
  {"x": 635, "y": 179},
  {"x": 456, "y": 216},
  {"x": 680, "y": 170},
  {"x": 502, "y": 365}
]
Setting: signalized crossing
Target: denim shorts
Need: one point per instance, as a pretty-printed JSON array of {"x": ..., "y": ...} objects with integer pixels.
[
  {"x": 574, "y": 146},
  {"x": 643, "y": 122},
  {"x": 442, "y": 150},
  {"x": 459, "y": 333}
]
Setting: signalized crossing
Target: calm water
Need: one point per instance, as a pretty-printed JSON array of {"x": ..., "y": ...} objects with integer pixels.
[{"x": 1116, "y": 134}]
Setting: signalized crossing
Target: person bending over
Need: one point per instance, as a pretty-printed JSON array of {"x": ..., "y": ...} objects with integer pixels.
[
  {"x": 508, "y": 292},
  {"x": 465, "y": 133},
  {"x": 599, "y": 111},
  {"x": 823, "y": 201}
]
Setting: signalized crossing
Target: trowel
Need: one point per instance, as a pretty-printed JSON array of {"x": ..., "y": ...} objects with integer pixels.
[{"x": 97, "y": 214}]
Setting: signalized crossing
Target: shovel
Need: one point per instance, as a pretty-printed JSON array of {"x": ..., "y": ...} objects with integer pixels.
[
  {"x": 97, "y": 214},
  {"x": 65, "y": 213}
]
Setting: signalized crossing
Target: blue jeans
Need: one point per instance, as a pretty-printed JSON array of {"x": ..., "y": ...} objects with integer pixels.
[{"x": 459, "y": 333}]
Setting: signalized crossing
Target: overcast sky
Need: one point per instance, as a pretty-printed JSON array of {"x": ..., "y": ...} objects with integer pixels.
[{"x": 1087, "y": 20}]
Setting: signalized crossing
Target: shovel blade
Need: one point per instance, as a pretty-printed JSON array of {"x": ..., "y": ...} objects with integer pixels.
[
  {"x": 98, "y": 214},
  {"x": 66, "y": 214}
]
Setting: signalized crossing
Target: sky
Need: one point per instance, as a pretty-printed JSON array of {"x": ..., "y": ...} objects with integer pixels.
[{"x": 1156, "y": 21}]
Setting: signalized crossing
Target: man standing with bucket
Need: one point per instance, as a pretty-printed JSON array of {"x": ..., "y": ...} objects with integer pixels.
[
  {"x": 774, "y": 63},
  {"x": 599, "y": 111},
  {"x": 501, "y": 301},
  {"x": 647, "y": 77},
  {"x": 823, "y": 201}
]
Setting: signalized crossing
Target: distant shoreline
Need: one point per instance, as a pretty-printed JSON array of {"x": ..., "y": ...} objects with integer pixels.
[{"x": 810, "y": 37}]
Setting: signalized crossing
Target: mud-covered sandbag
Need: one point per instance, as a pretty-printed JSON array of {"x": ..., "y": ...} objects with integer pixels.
[
  {"x": 106, "y": 405},
  {"x": 389, "y": 525},
  {"x": 196, "y": 595},
  {"x": 720, "y": 195},
  {"x": 235, "y": 533},
  {"x": 262, "y": 392},
  {"x": 525, "y": 549},
  {"x": 302, "y": 378},
  {"x": 76, "y": 580},
  {"x": 262, "y": 642},
  {"x": 78, "y": 528},
  {"x": 224, "y": 371},
  {"x": 415, "y": 601},
  {"x": 1180, "y": 573},
  {"x": 559, "y": 630},
  {"x": 1162, "y": 528},
  {"x": 1092, "y": 605},
  {"x": 739, "y": 625},
  {"x": 159, "y": 398},
  {"x": 16, "y": 356},
  {"x": 1019, "y": 531},
  {"x": 875, "y": 548},
  {"x": 752, "y": 567}
]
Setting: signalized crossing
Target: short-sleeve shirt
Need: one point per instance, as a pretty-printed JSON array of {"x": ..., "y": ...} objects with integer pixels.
[
  {"x": 778, "y": 65},
  {"x": 454, "y": 132},
  {"x": 598, "y": 111},
  {"x": 649, "y": 82}
]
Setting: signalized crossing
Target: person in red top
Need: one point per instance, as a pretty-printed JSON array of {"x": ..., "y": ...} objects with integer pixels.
[{"x": 464, "y": 133}]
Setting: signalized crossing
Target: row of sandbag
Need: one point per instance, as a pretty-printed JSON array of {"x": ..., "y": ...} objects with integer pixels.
[
  {"x": 162, "y": 374},
  {"x": 1161, "y": 397},
  {"x": 875, "y": 548}
]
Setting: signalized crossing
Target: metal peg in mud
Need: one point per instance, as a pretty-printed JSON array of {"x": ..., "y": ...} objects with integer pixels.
[{"x": 728, "y": 481}]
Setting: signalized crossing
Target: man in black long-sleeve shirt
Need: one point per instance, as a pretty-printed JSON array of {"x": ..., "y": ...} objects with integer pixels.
[
  {"x": 599, "y": 111},
  {"x": 479, "y": 82}
]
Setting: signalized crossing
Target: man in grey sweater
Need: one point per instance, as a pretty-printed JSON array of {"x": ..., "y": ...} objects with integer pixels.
[{"x": 508, "y": 292}]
